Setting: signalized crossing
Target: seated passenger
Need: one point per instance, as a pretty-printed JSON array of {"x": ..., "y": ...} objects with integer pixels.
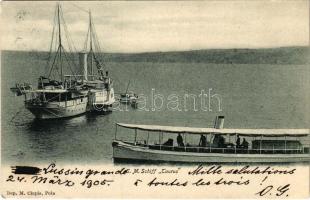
[
  {"x": 245, "y": 144},
  {"x": 222, "y": 142},
  {"x": 169, "y": 142},
  {"x": 219, "y": 141}
]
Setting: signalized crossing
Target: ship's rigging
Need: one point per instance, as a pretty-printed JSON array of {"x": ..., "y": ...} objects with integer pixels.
[
  {"x": 92, "y": 46},
  {"x": 58, "y": 54},
  {"x": 65, "y": 91},
  {"x": 55, "y": 62}
]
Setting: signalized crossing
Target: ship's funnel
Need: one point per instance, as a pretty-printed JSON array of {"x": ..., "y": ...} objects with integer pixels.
[
  {"x": 83, "y": 64},
  {"x": 219, "y": 122}
]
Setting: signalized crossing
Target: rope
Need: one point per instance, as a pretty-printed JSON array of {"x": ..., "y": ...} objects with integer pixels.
[
  {"x": 16, "y": 123},
  {"x": 69, "y": 39},
  {"x": 68, "y": 36},
  {"x": 49, "y": 74},
  {"x": 78, "y": 7},
  {"x": 52, "y": 113},
  {"x": 70, "y": 43},
  {"x": 19, "y": 110},
  {"x": 74, "y": 74},
  {"x": 97, "y": 48},
  {"x": 86, "y": 41},
  {"x": 52, "y": 40}
]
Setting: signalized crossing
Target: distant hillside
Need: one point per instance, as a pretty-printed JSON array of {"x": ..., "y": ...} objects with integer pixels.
[{"x": 283, "y": 55}]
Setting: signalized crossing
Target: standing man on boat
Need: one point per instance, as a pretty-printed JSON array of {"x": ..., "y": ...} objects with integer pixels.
[
  {"x": 238, "y": 142},
  {"x": 203, "y": 141},
  {"x": 180, "y": 140}
]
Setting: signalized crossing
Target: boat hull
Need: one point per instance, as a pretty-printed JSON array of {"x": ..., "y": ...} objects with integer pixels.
[
  {"x": 101, "y": 108},
  {"x": 101, "y": 100},
  {"x": 123, "y": 152},
  {"x": 56, "y": 110}
]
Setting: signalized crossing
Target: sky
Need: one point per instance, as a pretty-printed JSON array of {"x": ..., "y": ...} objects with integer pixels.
[{"x": 139, "y": 26}]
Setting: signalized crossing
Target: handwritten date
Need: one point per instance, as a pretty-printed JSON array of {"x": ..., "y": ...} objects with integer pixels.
[{"x": 91, "y": 183}]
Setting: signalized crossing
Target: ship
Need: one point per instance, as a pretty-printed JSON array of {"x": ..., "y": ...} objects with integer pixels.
[
  {"x": 60, "y": 94},
  {"x": 95, "y": 78},
  {"x": 129, "y": 98},
  {"x": 258, "y": 145}
]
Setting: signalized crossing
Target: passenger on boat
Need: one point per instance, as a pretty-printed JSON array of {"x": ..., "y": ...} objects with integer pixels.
[
  {"x": 238, "y": 142},
  {"x": 203, "y": 141},
  {"x": 219, "y": 141},
  {"x": 169, "y": 142},
  {"x": 180, "y": 140},
  {"x": 245, "y": 144}
]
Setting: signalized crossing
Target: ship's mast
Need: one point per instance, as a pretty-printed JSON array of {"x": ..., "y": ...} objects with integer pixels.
[
  {"x": 60, "y": 52},
  {"x": 60, "y": 45},
  {"x": 94, "y": 47},
  {"x": 91, "y": 45}
]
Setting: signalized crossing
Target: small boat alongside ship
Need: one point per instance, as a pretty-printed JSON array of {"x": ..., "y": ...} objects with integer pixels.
[
  {"x": 129, "y": 98},
  {"x": 59, "y": 95},
  {"x": 266, "y": 146}
]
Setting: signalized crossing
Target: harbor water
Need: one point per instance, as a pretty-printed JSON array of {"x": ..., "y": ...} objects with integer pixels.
[{"x": 248, "y": 95}]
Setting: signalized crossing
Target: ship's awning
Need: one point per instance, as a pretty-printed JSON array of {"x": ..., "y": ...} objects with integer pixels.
[
  {"x": 49, "y": 91},
  {"x": 243, "y": 132}
]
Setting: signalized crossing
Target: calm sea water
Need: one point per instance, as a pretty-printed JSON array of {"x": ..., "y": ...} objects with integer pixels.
[{"x": 252, "y": 96}]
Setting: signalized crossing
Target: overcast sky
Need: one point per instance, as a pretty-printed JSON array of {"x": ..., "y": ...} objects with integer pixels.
[{"x": 161, "y": 26}]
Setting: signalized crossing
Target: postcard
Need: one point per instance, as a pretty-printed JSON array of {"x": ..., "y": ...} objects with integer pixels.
[{"x": 155, "y": 99}]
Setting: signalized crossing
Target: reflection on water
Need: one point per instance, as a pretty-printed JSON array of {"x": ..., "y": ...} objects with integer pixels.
[
  {"x": 48, "y": 125},
  {"x": 56, "y": 140}
]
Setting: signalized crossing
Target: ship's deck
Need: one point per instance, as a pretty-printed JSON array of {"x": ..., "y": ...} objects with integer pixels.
[{"x": 227, "y": 150}]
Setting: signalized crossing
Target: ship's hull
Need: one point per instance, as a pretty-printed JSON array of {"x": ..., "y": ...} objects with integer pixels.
[
  {"x": 123, "y": 152},
  {"x": 101, "y": 100},
  {"x": 101, "y": 108},
  {"x": 55, "y": 110}
]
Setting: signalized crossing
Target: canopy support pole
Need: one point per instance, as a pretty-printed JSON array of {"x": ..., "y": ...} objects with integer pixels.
[
  {"x": 162, "y": 137},
  {"x": 236, "y": 143},
  {"x": 210, "y": 141},
  {"x": 253, "y": 138},
  {"x": 148, "y": 136},
  {"x": 285, "y": 144},
  {"x": 260, "y": 144},
  {"x": 160, "y": 140},
  {"x": 297, "y": 147},
  {"x": 115, "y": 132},
  {"x": 65, "y": 100},
  {"x": 135, "y": 135},
  {"x": 184, "y": 135}
]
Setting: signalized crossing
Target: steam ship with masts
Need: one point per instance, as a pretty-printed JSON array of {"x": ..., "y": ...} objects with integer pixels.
[
  {"x": 61, "y": 95},
  {"x": 100, "y": 85}
]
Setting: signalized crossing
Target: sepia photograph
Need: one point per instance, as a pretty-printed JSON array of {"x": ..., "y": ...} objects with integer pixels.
[{"x": 182, "y": 88}]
